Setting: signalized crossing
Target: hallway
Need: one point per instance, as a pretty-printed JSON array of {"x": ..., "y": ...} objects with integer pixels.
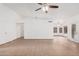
[{"x": 35, "y": 47}]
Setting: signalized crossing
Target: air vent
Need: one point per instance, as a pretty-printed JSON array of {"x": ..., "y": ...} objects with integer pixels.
[{"x": 50, "y": 21}]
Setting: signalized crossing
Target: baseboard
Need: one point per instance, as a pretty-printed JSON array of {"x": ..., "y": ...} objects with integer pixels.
[
  {"x": 18, "y": 36},
  {"x": 8, "y": 40},
  {"x": 75, "y": 41},
  {"x": 38, "y": 37}
]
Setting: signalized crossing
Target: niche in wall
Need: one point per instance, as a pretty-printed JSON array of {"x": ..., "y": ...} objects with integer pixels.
[
  {"x": 60, "y": 30},
  {"x": 67, "y": 30}
]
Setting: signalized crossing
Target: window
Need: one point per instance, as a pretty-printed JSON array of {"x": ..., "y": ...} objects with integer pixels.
[
  {"x": 60, "y": 30},
  {"x": 55, "y": 29},
  {"x": 65, "y": 29}
]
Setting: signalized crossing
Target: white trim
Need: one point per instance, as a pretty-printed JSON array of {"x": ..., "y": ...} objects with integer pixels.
[
  {"x": 38, "y": 37},
  {"x": 8, "y": 40},
  {"x": 74, "y": 41}
]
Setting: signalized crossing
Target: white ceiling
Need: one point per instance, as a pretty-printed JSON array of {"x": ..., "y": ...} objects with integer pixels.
[{"x": 64, "y": 11}]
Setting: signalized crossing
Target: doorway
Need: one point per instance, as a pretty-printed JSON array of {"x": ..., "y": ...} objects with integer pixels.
[{"x": 20, "y": 29}]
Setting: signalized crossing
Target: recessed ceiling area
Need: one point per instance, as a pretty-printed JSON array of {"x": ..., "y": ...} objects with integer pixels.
[{"x": 65, "y": 10}]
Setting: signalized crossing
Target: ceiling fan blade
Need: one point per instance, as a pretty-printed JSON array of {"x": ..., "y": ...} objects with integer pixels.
[
  {"x": 52, "y": 6},
  {"x": 37, "y": 9},
  {"x": 40, "y": 3}
]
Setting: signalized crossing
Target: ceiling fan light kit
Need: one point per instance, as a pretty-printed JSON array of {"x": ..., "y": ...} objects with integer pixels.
[{"x": 45, "y": 9}]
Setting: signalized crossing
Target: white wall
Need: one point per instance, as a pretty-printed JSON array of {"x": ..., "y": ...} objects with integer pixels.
[
  {"x": 36, "y": 28},
  {"x": 7, "y": 24}
]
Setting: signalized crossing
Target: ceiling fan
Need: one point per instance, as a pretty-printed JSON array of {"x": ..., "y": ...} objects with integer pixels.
[{"x": 45, "y": 7}]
